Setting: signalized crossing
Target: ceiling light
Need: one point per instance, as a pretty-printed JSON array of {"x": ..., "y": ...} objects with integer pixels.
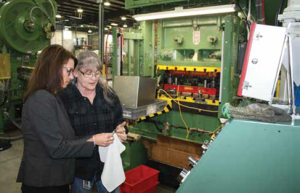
[
  {"x": 58, "y": 16},
  {"x": 123, "y": 18},
  {"x": 114, "y": 24},
  {"x": 125, "y": 25},
  {"x": 106, "y": 3},
  {"x": 81, "y": 25},
  {"x": 186, "y": 12},
  {"x": 90, "y": 31},
  {"x": 106, "y": 29},
  {"x": 79, "y": 10}
]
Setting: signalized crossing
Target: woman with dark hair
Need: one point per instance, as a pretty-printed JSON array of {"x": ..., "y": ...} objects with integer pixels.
[
  {"x": 50, "y": 146},
  {"x": 93, "y": 107}
]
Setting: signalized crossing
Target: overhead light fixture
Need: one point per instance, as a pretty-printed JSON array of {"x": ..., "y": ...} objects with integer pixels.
[
  {"x": 90, "y": 31},
  {"x": 114, "y": 24},
  {"x": 58, "y": 16},
  {"x": 123, "y": 18},
  {"x": 106, "y": 3},
  {"x": 180, "y": 12},
  {"x": 81, "y": 25},
  {"x": 125, "y": 26},
  {"x": 106, "y": 29},
  {"x": 79, "y": 10}
]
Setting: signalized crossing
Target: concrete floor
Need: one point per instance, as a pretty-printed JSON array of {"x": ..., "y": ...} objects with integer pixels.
[{"x": 10, "y": 160}]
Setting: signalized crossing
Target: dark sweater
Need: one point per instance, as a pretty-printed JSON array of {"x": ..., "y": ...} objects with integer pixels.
[{"x": 89, "y": 119}]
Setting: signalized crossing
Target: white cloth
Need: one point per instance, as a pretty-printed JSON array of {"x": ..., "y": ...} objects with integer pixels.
[{"x": 113, "y": 173}]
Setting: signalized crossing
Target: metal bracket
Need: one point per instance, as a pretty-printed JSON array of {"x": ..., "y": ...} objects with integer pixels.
[{"x": 246, "y": 85}]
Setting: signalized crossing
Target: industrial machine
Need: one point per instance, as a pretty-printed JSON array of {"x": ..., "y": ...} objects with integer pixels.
[
  {"x": 195, "y": 50},
  {"x": 26, "y": 27},
  {"x": 195, "y": 53}
]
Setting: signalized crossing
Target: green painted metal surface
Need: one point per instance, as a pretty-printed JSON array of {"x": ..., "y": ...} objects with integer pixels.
[
  {"x": 134, "y": 155},
  {"x": 193, "y": 121},
  {"x": 24, "y": 33},
  {"x": 153, "y": 39},
  {"x": 129, "y": 4},
  {"x": 271, "y": 8},
  {"x": 230, "y": 79},
  {"x": 249, "y": 156},
  {"x": 24, "y": 29}
]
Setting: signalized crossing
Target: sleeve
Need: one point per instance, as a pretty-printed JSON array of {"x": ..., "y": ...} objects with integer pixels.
[
  {"x": 118, "y": 112},
  {"x": 45, "y": 125}
]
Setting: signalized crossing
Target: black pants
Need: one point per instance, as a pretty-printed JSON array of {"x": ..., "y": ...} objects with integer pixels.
[{"x": 50, "y": 189}]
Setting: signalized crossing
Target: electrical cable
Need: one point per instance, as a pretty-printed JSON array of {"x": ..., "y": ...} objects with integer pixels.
[
  {"x": 194, "y": 108},
  {"x": 218, "y": 128},
  {"x": 155, "y": 123},
  {"x": 187, "y": 129}
]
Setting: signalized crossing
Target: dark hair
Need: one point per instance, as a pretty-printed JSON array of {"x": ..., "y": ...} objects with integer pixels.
[{"x": 47, "y": 74}]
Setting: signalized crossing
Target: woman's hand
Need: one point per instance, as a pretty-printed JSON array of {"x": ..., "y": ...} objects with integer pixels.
[
  {"x": 121, "y": 132},
  {"x": 103, "y": 139}
]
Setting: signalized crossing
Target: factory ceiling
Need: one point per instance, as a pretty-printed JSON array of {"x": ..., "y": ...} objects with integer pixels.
[{"x": 113, "y": 13}]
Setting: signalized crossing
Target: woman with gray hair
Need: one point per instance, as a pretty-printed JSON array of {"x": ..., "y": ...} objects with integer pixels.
[{"x": 93, "y": 108}]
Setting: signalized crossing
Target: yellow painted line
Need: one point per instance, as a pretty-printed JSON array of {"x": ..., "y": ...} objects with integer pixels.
[
  {"x": 151, "y": 115},
  {"x": 28, "y": 67},
  {"x": 189, "y": 68},
  {"x": 278, "y": 89},
  {"x": 190, "y": 100},
  {"x": 166, "y": 110}
]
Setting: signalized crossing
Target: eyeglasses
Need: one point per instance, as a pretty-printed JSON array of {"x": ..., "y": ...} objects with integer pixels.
[
  {"x": 89, "y": 74},
  {"x": 69, "y": 71}
]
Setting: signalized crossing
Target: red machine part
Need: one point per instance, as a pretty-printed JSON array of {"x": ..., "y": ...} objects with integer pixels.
[
  {"x": 192, "y": 89},
  {"x": 189, "y": 73}
]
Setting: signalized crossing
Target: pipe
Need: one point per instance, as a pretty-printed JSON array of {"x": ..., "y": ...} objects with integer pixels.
[
  {"x": 259, "y": 4},
  {"x": 105, "y": 54},
  {"x": 100, "y": 27}
]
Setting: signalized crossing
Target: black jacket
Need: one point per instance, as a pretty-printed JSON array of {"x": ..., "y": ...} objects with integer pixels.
[{"x": 49, "y": 143}]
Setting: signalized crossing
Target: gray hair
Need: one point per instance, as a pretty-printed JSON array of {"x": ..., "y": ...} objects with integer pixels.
[{"x": 90, "y": 61}]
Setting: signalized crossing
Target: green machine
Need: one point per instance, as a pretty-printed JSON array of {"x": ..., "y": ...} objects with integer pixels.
[
  {"x": 196, "y": 61},
  {"x": 248, "y": 156},
  {"x": 26, "y": 27},
  {"x": 194, "y": 50}
]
